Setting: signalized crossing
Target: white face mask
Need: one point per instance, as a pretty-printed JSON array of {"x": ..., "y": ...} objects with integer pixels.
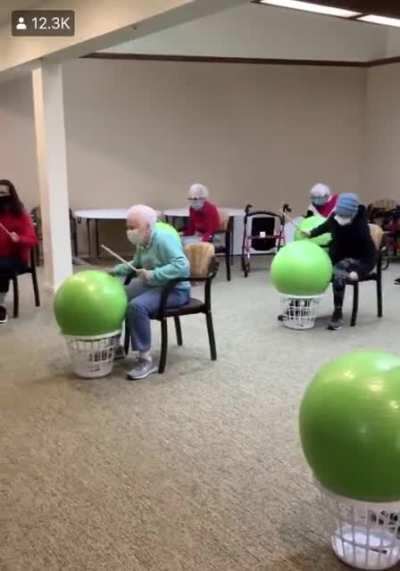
[
  {"x": 197, "y": 203},
  {"x": 319, "y": 200},
  {"x": 4, "y": 191},
  {"x": 133, "y": 237},
  {"x": 343, "y": 221}
]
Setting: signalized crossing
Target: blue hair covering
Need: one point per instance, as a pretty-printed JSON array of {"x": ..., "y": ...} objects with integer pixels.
[{"x": 347, "y": 205}]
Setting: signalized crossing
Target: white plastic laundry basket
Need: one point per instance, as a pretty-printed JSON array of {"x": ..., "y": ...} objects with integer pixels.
[
  {"x": 92, "y": 357},
  {"x": 363, "y": 535},
  {"x": 299, "y": 312}
]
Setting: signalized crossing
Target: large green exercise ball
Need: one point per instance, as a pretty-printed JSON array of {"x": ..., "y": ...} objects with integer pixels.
[
  {"x": 309, "y": 224},
  {"x": 90, "y": 303},
  {"x": 301, "y": 268},
  {"x": 350, "y": 426},
  {"x": 168, "y": 228}
]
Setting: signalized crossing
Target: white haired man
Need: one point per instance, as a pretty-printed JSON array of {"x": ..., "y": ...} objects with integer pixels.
[
  {"x": 159, "y": 258},
  {"x": 204, "y": 219}
]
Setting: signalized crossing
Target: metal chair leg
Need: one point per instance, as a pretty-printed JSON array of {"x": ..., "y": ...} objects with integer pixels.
[
  {"x": 228, "y": 266},
  {"x": 35, "y": 289},
  {"x": 379, "y": 296},
  {"x": 126, "y": 338},
  {"x": 16, "y": 297},
  {"x": 178, "y": 330},
  {"x": 228, "y": 257},
  {"x": 355, "y": 305},
  {"x": 164, "y": 346},
  {"x": 211, "y": 336}
]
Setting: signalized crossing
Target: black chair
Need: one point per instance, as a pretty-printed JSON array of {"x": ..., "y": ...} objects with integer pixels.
[
  {"x": 226, "y": 231},
  {"x": 374, "y": 276},
  {"x": 13, "y": 276},
  {"x": 193, "y": 307}
]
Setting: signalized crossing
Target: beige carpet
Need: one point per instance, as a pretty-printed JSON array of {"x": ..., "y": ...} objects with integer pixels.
[{"x": 198, "y": 469}]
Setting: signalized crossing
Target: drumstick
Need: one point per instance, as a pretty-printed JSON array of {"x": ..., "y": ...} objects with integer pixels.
[
  {"x": 5, "y": 229},
  {"x": 119, "y": 257}
]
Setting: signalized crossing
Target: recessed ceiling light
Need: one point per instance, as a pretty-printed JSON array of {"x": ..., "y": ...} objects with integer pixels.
[
  {"x": 309, "y": 7},
  {"x": 382, "y": 20}
]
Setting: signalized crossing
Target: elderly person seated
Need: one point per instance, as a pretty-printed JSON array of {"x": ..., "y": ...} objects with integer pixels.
[
  {"x": 323, "y": 203},
  {"x": 352, "y": 250},
  {"x": 159, "y": 258},
  {"x": 204, "y": 219}
]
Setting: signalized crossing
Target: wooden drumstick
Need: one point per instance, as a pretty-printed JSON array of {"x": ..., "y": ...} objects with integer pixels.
[{"x": 118, "y": 257}]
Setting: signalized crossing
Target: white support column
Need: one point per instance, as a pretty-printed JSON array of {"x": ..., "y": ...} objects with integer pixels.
[{"x": 52, "y": 167}]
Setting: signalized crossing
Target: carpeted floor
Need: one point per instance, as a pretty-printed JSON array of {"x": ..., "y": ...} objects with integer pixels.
[{"x": 198, "y": 469}]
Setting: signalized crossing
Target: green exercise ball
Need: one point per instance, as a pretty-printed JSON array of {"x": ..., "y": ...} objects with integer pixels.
[
  {"x": 168, "y": 228},
  {"x": 90, "y": 303},
  {"x": 309, "y": 224},
  {"x": 301, "y": 268},
  {"x": 350, "y": 426}
]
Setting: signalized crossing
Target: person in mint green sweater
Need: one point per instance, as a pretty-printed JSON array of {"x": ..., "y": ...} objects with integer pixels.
[{"x": 159, "y": 259}]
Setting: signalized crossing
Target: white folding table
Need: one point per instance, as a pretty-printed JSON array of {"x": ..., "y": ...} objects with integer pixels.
[{"x": 97, "y": 215}]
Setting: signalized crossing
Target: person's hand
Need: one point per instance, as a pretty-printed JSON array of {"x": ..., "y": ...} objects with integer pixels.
[
  {"x": 14, "y": 237},
  {"x": 143, "y": 274}
]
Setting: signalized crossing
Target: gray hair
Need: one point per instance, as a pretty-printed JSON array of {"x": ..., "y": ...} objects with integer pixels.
[
  {"x": 145, "y": 212},
  {"x": 198, "y": 191}
]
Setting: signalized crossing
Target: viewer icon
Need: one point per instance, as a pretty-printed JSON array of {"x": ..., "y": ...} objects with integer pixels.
[{"x": 21, "y": 26}]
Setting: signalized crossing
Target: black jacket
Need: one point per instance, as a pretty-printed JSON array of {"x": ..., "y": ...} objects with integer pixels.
[{"x": 350, "y": 241}]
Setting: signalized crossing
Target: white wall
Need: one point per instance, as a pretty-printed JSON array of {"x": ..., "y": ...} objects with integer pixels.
[
  {"x": 144, "y": 131},
  {"x": 17, "y": 138},
  {"x": 393, "y": 43},
  {"x": 266, "y": 32},
  {"x": 383, "y": 132}
]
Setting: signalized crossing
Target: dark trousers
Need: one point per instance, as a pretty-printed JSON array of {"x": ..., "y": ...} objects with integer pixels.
[
  {"x": 9, "y": 266},
  {"x": 341, "y": 272}
]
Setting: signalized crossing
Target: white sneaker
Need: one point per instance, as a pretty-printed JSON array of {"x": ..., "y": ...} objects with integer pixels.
[{"x": 142, "y": 369}]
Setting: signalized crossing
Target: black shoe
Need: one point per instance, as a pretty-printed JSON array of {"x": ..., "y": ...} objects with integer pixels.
[
  {"x": 336, "y": 321},
  {"x": 3, "y": 314},
  {"x": 119, "y": 353},
  {"x": 397, "y": 282}
]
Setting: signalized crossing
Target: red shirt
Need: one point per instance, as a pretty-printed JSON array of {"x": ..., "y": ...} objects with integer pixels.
[
  {"x": 205, "y": 221},
  {"x": 23, "y": 226}
]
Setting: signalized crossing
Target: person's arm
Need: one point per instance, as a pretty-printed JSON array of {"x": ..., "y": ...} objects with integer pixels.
[
  {"x": 26, "y": 232},
  {"x": 323, "y": 228},
  {"x": 311, "y": 211},
  {"x": 212, "y": 223},
  {"x": 123, "y": 270},
  {"x": 176, "y": 266}
]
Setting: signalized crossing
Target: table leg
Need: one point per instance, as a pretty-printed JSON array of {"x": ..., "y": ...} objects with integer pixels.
[
  {"x": 96, "y": 226},
  {"x": 232, "y": 252},
  {"x": 89, "y": 237}
]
